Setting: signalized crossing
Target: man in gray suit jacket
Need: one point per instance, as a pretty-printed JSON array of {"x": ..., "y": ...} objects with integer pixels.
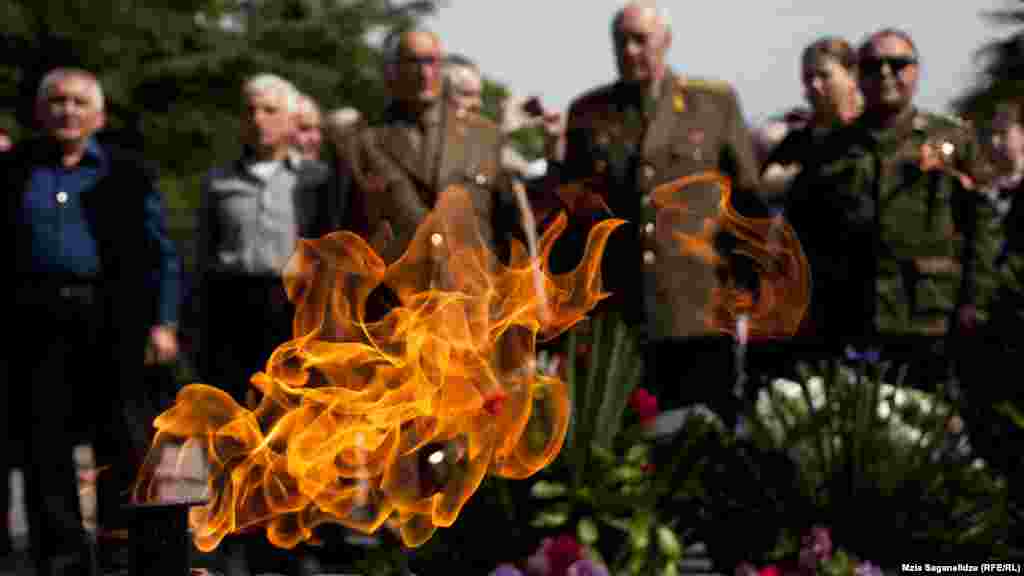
[{"x": 253, "y": 212}]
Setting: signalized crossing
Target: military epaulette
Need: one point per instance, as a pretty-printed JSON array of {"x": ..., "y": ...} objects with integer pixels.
[
  {"x": 709, "y": 84},
  {"x": 926, "y": 120},
  {"x": 954, "y": 120}
]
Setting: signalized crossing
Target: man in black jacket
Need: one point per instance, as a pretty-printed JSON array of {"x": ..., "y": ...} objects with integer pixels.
[{"x": 92, "y": 293}]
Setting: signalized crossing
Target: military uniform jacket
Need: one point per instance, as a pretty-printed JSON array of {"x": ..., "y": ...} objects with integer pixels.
[
  {"x": 397, "y": 171},
  {"x": 891, "y": 236},
  {"x": 622, "y": 152}
]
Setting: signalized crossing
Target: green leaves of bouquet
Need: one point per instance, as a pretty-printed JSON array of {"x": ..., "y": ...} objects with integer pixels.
[
  {"x": 605, "y": 485},
  {"x": 866, "y": 445}
]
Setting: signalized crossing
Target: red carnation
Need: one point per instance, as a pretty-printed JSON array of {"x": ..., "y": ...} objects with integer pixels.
[
  {"x": 645, "y": 405},
  {"x": 561, "y": 553}
]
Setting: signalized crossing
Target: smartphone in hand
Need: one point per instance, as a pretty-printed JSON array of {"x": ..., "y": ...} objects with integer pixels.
[{"x": 533, "y": 107}]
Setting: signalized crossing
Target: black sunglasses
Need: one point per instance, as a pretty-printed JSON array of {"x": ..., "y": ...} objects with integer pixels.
[
  {"x": 420, "y": 60},
  {"x": 873, "y": 66}
]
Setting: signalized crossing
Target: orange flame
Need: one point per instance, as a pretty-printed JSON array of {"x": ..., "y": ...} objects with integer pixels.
[
  {"x": 771, "y": 245},
  {"x": 393, "y": 420}
]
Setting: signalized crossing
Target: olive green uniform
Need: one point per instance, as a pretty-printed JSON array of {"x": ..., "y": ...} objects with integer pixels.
[{"x": 892, "y": 239}]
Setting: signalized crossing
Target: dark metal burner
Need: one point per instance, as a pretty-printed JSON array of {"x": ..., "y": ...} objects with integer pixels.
[{"x": 159, "y": 540}]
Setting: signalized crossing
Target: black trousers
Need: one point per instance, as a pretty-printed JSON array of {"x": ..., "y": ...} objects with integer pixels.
[
  {"x": 10, "y": 451},
  {"x": 63, "y": 379},
  {"x": 245, "y": 320},
  {"x": 697, "y": 370}
]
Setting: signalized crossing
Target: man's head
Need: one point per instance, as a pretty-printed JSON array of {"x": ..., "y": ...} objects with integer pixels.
[
  {"x": 641, "y": 34},
  {"x": 269, "y": 104},
  {"x": 413, "y": 67},
  {"x": 308, "y": 134},
  {"x": 465, "y": 84},
  {"x": 1008, "y": 136},
  {"x": 888, "y": 72},
  {"x": 69, "y": 105}
]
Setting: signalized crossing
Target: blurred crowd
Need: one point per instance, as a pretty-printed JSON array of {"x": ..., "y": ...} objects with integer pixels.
[{"x": 910, "y": 220}]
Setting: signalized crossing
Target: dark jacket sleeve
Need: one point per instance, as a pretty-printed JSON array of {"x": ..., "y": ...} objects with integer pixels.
[
  {"x": 739, "y": 162},
  {"x": 162, "y": 255}
]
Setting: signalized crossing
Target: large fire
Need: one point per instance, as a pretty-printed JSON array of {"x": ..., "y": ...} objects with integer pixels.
[
  {"x": 394, "y": 418},
  {"x": 769, "y": 249},
  {"x": 364, "y": 421}
]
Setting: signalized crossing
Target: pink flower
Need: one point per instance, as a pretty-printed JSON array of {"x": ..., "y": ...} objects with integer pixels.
[
  {"x": 816, "y": 547},
  {"x": 561, "y": 553},
  {"x": 506, "y": 570},
  {"x": 587, "y": 567},
  {"x": 537, "y": 564},
  {"x": 770, "y": 570},
  {"x": 820, "y": 540},
  {"x": 645, "y": 405},
  {"x": 745, "y": 569},
  {"x": 868, "y": 569}
]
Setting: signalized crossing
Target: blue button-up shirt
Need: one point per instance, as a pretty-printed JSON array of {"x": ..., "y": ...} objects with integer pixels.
[{"x": 62, "y": 242}]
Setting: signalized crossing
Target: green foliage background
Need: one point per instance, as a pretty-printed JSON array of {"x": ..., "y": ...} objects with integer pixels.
[{"x": 171, "y": 69}]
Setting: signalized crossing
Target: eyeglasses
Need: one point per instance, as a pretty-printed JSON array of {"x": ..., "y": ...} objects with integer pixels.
[{"x": 874, "y": 66}]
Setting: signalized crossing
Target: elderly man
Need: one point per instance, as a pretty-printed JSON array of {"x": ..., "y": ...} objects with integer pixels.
[
  {"x": 424, "y": 144},
  {"x": 465, "y": 93},
  {"x": 93, "y": 298},
  {"x": 624, "y": 139},
  {"x": 896, "y": 233},
  {"x": 308, "y": 130},
  {"x": 465, "y": 84},
  {"x": 253, "y": 212}
]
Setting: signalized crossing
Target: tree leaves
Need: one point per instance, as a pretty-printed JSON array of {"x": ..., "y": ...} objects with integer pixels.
[{"x": 173, "y": 70}]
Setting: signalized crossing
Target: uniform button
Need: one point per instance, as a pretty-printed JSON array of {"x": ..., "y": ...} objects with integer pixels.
[
  {"x": 62, "y": 197},
  {"x": 648, "y": 257},
  {"x": 481, "y": 179},
  {"x": 645, "y": 200},
  {"x": 648, "y": 171},
  {"x": 436, "y": 239},
  {"x": 649, "y": 228}
]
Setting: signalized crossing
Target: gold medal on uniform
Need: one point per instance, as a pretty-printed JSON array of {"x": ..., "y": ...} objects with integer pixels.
[{"x": 678, "y": 102}]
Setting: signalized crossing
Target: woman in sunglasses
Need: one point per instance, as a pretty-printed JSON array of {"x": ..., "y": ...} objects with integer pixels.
[{"x": 829, "y": 74}]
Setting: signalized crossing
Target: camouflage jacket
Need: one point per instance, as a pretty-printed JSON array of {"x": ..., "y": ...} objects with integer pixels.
[{"x": 890, "y": 226}]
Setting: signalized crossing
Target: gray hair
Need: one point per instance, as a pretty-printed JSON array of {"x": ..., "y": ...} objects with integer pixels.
[
  {"x": 455, "y": 68},
  {"x": 271, "y": 83},
  {"x": 58, "y": 75},
  {"x": 344, "y": 117},
  {"x": 459, "y": 61},
  {"x": 306, "y": 103},
  {"x": 661, "y": 14}
]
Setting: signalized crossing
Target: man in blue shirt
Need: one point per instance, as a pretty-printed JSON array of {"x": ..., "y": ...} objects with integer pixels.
[{"x": 93, "y": 292}]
